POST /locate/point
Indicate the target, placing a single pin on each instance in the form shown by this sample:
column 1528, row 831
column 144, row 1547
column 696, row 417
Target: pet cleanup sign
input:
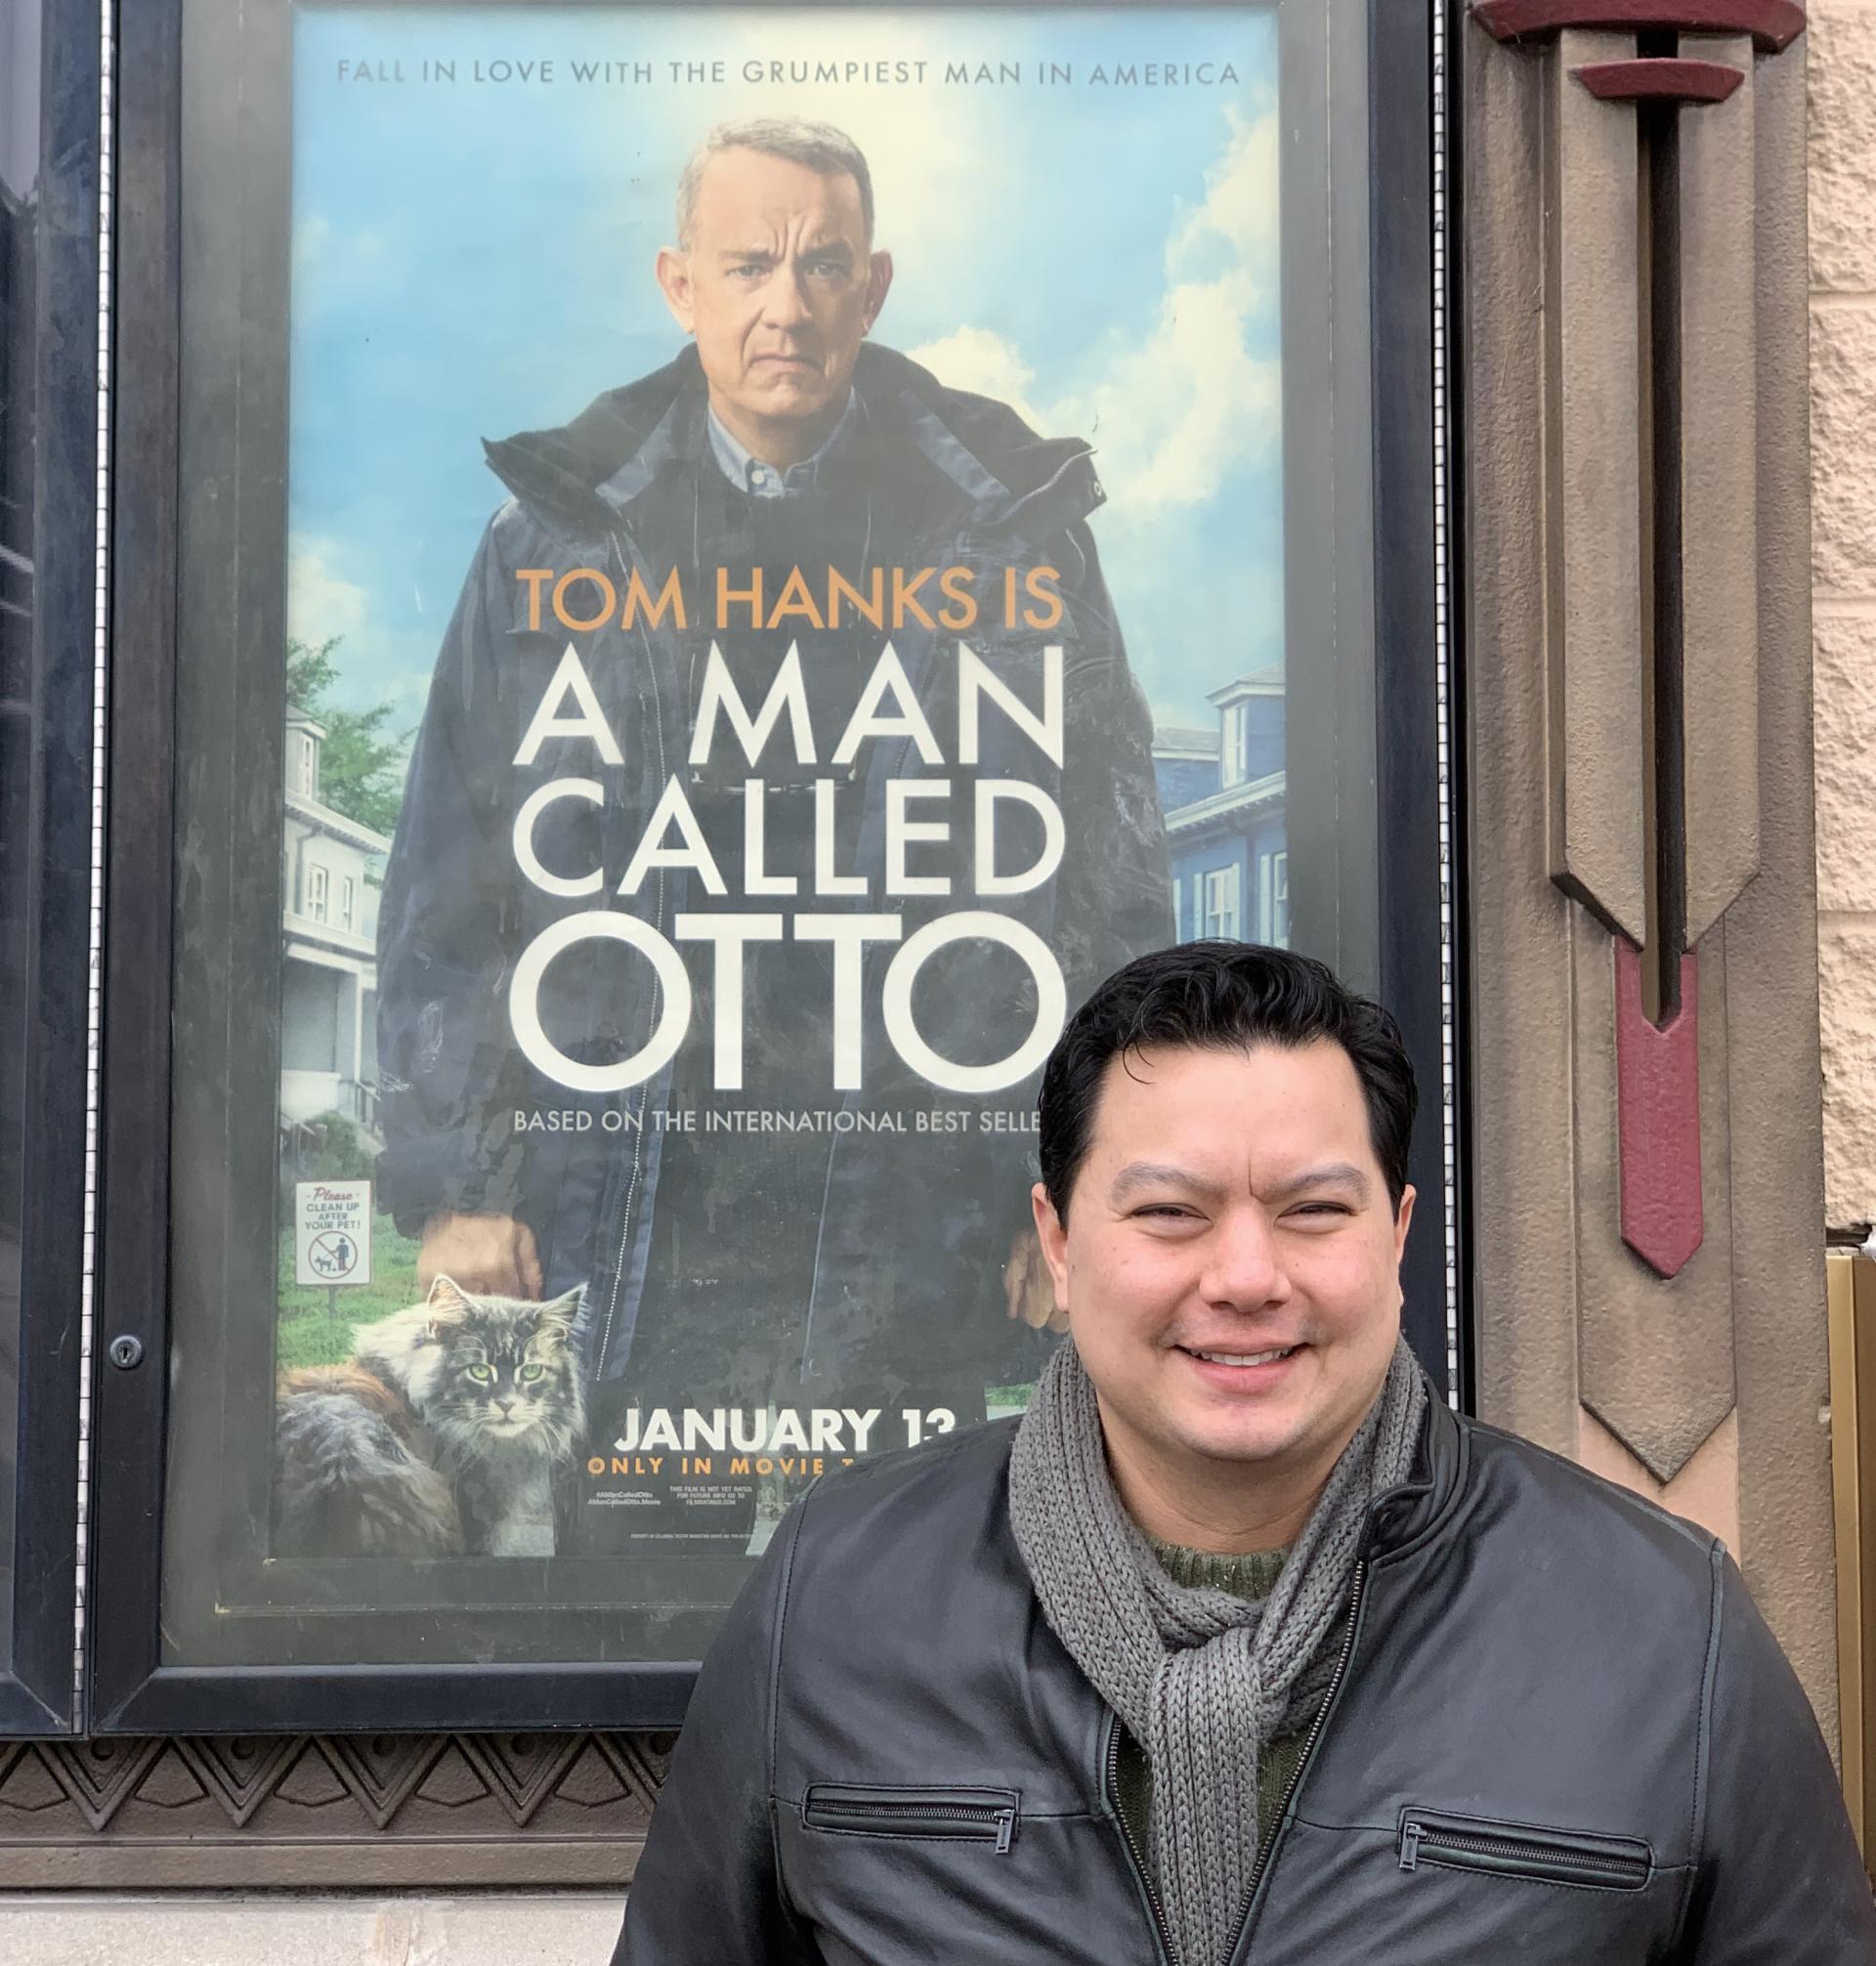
column 331, row 1232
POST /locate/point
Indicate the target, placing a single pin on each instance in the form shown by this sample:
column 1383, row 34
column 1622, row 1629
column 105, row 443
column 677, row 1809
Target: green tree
column 310, row 672
column 361, row 767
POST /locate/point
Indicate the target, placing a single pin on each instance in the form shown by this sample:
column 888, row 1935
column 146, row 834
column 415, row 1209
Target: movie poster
column 785, row 580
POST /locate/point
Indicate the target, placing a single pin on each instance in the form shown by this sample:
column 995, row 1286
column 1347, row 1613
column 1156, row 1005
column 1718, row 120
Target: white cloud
column 986, row 362
column 372, row 663
column 1240, row 211
column 1173, row 415
column 1173, row 412
column 320, row 602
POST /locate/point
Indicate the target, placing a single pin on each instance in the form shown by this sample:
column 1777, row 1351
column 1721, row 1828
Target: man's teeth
column 1246, row 1357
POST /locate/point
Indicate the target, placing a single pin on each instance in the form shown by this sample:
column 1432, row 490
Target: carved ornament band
column 1771, row 23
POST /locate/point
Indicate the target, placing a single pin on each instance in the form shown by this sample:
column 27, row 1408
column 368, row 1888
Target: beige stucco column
column 1843, row 327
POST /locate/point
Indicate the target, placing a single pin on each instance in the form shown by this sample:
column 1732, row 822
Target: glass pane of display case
column 734, row 562
column 19, row 208
column 48, row 493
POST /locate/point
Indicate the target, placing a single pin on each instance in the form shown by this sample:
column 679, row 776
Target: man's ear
column 878, row 283
column 1403, row 1221
column 1051, row 1232
column 674, row 277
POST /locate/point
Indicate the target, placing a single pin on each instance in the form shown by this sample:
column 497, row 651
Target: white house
column 329, row 1017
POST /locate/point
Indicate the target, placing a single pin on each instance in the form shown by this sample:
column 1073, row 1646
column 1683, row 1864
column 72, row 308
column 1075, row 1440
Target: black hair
column 1216, row 997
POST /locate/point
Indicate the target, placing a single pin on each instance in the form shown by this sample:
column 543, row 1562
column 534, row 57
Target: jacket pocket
column 949, row 1815
column 1518, row 1850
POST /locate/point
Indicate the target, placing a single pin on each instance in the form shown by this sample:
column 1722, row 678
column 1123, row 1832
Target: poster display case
column 689, row 579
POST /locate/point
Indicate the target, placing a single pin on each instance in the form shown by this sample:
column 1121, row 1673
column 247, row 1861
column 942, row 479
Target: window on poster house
column 1222, row 888
column 741, row 680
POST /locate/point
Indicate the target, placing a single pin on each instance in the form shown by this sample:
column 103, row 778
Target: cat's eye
column 530, row 1372
column 482, row 1375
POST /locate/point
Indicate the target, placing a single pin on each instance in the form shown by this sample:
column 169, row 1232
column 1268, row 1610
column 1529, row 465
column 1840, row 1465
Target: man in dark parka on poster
column 727, row 1267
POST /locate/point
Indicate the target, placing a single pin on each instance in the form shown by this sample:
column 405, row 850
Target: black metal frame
column 132, row 1689
column 1407, row 710
column 37, row 1686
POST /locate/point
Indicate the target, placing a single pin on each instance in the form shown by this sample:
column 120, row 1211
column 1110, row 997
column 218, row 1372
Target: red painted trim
column 1657, row 1076
column 1771, row 23
column 1659, row 79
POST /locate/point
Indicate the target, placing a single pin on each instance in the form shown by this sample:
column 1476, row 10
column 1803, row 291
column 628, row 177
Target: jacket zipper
column 1270, row 1849
column 1549, row 1857
column 956, row 1817
column 1316, row 1726
column 1155, row 1903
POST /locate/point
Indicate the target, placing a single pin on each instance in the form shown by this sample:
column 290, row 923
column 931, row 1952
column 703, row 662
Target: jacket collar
column 748, row 473
column 1405, row 1514
column 585, row 476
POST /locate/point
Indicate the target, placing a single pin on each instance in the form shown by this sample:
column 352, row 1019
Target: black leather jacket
column 1561, row 1736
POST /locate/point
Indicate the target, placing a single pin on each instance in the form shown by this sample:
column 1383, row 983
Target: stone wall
column 559, row 1929
column 1840, row 49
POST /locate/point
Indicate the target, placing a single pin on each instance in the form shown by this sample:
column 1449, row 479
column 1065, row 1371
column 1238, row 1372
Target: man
column 1241, row 1646
column 727, row 1267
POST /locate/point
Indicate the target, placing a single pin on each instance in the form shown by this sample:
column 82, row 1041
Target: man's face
column 1231, row 1264
column 779, row 288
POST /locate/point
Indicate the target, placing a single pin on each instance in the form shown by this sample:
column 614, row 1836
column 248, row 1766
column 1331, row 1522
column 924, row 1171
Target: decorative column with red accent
column 1658, row 888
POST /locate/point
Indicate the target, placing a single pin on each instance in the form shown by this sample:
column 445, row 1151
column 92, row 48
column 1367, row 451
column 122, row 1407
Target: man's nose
column 784, row 303
column 1244, row 1266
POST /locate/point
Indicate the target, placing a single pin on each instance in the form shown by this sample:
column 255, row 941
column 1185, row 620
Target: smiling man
column 731, row 1267
column 1241, row 1646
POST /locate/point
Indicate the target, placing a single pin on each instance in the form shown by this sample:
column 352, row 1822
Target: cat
column 496, row 1382
column 353, row 1475
column 476, row 1398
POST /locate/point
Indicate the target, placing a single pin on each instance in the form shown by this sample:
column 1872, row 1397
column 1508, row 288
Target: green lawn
column 1005, row 1399
column 308, row 1335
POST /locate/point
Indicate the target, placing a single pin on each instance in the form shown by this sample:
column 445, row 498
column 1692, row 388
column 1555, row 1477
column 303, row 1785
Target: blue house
column 1221, row 790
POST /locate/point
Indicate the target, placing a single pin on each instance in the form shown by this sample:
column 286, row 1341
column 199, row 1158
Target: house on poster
column 1222, row 789
column 329, row 926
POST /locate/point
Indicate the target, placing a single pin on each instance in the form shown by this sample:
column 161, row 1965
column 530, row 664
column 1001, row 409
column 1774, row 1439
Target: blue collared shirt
column 763, row 481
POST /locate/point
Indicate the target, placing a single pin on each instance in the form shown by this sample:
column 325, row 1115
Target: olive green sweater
column 1248, row 1577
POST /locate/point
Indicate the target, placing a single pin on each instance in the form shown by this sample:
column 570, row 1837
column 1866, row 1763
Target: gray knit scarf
column 1203, row 1680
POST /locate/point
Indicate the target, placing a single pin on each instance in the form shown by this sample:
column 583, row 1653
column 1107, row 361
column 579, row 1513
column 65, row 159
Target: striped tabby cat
column 440, row 1436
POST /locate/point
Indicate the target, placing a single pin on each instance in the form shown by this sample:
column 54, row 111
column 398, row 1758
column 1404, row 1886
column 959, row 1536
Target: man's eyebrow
column 1138, row 1175
column 829, row 248
column 1330, row 1175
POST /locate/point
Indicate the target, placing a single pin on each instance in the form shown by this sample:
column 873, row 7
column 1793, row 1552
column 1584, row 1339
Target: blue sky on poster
column 473, row 257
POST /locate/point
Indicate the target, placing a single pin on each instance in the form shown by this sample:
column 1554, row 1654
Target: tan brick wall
column 1841, row 50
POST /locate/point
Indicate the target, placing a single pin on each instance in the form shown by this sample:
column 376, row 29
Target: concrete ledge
column 499, row 1928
